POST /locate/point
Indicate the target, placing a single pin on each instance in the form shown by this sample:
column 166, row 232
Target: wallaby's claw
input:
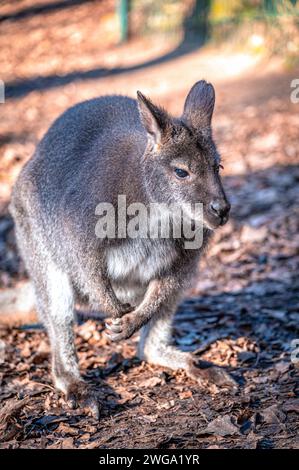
column 202, row 371
column 84, row 396
column 114, row 326
column 120, row 328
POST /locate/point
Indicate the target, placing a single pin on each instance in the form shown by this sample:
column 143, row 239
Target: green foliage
column 222, row 10
column 162, row 16
column 258, row 26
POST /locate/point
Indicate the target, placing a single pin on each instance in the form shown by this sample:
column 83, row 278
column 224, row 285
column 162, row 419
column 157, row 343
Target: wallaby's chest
column 131, row 266
column 140, row 260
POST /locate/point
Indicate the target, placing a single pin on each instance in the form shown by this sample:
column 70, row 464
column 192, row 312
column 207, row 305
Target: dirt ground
column 243, row 311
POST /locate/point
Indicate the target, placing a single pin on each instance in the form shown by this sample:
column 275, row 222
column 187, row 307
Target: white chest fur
column 132, row 265
column 140, row 260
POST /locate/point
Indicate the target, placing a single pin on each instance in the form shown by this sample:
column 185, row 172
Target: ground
column 242, row 312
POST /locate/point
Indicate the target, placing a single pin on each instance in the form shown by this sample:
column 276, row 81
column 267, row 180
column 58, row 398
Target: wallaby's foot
column 121, row 328
column 82, row 395
column 200, row 371
column 203, row 371
column 155, row 347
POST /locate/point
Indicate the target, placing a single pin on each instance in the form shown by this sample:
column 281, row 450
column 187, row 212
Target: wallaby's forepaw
column 121, row 328
column 202, row 372
column 124, row 308
column 82, row 395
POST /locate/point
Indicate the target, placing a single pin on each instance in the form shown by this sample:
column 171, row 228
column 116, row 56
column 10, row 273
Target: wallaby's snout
column 216, row 205
column 219, row 208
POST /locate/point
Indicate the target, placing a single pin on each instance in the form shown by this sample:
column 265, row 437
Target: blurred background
column 55, row 53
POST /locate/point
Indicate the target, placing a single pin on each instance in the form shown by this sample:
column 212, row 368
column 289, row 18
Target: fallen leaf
column 273, row 415
column 65, row 429
column 148, row 418
column 68, row 443
column 167, row 405
column 222, row 426
column 291, row 405
column 151, row 382
column 184, row 395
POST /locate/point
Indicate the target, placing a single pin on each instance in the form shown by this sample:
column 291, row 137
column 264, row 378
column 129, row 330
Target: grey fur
column 93, row 152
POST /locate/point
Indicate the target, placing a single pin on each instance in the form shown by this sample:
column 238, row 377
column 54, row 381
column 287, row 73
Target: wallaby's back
column 87, row 156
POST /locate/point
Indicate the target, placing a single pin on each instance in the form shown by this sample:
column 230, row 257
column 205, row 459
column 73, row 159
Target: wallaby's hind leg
column 155, row 347
column 58, row 316
column 60, row 319
column 55, row 302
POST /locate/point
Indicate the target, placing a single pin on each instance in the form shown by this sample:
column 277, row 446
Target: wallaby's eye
column 180, row 173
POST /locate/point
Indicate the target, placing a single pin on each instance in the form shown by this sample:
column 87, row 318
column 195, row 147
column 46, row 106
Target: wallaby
column 97, row 150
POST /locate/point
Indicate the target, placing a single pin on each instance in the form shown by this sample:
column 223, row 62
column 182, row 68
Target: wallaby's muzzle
column 219, row 209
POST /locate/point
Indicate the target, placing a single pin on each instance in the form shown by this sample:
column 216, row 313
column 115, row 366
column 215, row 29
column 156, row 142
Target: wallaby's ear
column 155, row 119
column 199, row 105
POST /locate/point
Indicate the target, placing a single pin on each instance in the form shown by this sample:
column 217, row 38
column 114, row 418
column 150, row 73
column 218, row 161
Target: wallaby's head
column 181, row 163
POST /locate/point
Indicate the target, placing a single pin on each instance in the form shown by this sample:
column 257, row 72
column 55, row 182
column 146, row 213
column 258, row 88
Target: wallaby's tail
column 17, row 305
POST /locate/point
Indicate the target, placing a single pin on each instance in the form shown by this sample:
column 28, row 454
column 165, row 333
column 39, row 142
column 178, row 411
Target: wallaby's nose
column 220, row 208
